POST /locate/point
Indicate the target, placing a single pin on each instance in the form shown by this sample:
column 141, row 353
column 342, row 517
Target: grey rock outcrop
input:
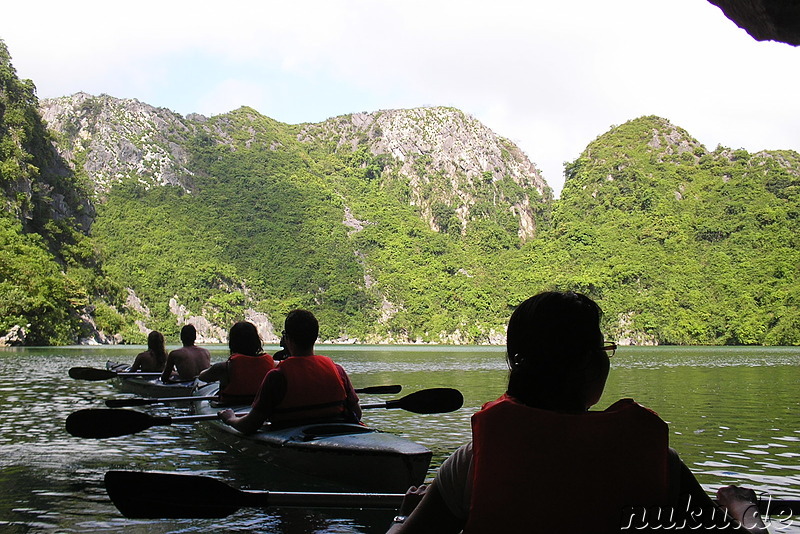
column 117, row 138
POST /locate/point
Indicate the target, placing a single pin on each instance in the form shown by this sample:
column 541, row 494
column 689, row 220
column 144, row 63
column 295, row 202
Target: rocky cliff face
column 114, row 138
column 447, row 157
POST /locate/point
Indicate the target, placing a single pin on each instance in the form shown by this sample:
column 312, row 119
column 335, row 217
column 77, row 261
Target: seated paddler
column 241, row 375
column 541, row 462
column 188, row 361
column 303, row 388
column 152, row 360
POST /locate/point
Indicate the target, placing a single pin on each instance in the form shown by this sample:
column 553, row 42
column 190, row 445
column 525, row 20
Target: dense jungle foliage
column 678, row 244
column 49, row 271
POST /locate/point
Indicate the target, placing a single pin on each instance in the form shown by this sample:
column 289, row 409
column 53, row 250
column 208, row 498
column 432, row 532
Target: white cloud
column 548, row 75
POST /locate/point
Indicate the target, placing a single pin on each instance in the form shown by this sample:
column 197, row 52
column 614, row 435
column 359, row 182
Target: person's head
column 555, row 352
column 244, row 339
column 301, row 329
column 155, row 344
column 188, row 335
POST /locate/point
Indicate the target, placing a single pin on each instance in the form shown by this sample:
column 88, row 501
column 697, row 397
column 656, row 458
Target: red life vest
column 314, row 389
column 245, row 374
column 542, row 471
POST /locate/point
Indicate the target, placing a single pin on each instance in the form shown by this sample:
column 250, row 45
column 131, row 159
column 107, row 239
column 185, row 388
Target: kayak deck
column 335, row 455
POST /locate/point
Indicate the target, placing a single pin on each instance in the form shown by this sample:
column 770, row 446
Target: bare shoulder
column 177, row 353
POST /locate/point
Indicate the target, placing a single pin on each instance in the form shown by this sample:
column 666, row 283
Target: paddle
column 123, row 403
column 143, row 495
column 435, row 400
column 101, row 423
column 173, row 496
column 90, row 373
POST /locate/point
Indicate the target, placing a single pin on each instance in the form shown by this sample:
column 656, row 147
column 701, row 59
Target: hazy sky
column 551, row 76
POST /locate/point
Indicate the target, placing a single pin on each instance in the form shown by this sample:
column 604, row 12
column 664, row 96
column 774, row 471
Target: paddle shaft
column 179, row 419
column 145, row 421
column 122, row 403
column 264, row 499
column 90, row 373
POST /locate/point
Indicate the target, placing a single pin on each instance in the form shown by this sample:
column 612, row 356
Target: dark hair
column 554, row 350
column 188, row 334
column 244, row 339
column 302, row 328
column 155, row 344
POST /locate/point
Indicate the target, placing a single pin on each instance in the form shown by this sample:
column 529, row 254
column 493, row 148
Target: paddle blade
column 171, row 496
column 435, row 400
column 126, row 403
column 381, row 389
column 97, row 423
column 89, row 373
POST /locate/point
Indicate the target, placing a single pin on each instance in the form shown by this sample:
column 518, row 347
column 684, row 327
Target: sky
column 550, row 76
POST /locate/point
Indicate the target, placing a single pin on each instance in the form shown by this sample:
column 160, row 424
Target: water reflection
column 734, row 416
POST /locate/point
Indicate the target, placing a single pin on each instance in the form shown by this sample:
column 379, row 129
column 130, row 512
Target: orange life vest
column 542, row 471
column 314, row 389
column 245, row 374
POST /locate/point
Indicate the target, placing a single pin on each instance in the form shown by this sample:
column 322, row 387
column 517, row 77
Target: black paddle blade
column 380, row 389
column 89, row 373
column 97, row 423
column 171, row 496
column 127, row 403
column 435, row 400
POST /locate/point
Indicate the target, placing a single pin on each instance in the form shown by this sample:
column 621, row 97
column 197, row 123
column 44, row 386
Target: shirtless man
column 188, row 360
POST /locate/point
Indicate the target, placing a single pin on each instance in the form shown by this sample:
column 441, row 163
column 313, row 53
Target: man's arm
column 246, row 424
column 214, row 373
column 169, row 365
column 351, row 401
column 272, row 391
column 430, row 515
column 138, row 362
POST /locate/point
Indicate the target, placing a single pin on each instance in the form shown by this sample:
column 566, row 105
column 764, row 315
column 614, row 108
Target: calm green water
column 734, row 415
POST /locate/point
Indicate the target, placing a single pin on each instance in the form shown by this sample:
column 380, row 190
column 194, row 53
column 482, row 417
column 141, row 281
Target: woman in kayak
column 240, row 376
column 539, row 461
column 304, row 387
column 153, row 359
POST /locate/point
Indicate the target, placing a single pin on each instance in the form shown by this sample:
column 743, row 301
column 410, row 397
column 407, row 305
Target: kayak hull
column 335, row 456
column 148, row 386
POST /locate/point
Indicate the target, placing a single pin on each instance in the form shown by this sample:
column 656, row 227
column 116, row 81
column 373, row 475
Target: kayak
column 147, row 386
column 332, row 455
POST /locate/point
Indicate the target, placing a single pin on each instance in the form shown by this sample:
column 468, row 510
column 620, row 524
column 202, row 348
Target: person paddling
column 189, row 360
column 540, row 461
column 153, row 359
column 240, row 376
column 304, row 387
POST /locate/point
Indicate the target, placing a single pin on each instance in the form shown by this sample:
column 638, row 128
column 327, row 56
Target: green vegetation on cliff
column 679, row 244
column 49, row 275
